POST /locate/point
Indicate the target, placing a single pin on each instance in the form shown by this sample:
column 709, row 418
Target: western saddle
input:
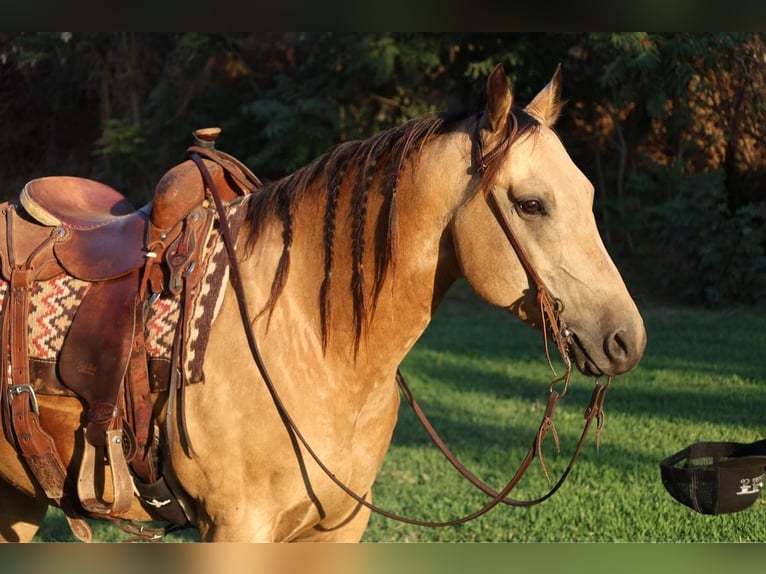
column 89, row 231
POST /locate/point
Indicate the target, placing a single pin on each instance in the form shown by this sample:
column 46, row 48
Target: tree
column 661, row 123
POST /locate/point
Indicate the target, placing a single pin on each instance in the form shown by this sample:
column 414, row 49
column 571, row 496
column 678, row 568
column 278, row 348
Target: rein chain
column 550, row 312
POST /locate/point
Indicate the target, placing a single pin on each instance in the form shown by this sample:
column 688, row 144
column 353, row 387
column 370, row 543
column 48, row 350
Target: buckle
column 16, row 390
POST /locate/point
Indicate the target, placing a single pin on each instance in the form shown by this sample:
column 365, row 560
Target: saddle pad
column 208, row 298
column 53, row 305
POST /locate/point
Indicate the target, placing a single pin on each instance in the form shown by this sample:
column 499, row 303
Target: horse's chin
column 582, row 360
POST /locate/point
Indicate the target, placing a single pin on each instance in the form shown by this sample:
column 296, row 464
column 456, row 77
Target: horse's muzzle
column 617, row 353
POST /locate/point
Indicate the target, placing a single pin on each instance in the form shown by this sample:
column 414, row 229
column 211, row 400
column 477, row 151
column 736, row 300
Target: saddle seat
column 73, row 202
column 101, row 235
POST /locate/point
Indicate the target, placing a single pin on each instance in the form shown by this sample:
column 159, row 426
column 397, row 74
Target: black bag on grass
column 716, row 477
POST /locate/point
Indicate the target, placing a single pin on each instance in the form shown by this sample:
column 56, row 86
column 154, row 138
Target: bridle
column 552, row 325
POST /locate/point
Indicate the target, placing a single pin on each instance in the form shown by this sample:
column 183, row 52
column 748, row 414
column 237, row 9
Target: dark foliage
column 668, row 127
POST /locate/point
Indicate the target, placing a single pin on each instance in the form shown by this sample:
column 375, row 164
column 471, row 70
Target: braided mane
column 352, row 167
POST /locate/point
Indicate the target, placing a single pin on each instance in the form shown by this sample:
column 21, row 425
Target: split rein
column 552, row 325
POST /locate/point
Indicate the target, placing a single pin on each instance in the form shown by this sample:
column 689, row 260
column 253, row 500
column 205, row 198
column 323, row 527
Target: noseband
column 552, row 325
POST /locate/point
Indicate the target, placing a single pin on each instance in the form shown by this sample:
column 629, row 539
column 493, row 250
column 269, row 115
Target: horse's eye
column 530, row 207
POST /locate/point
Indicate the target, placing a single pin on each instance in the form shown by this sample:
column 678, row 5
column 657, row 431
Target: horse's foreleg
column 21, row 515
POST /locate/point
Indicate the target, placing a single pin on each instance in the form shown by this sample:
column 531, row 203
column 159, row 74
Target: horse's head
column 530, row 185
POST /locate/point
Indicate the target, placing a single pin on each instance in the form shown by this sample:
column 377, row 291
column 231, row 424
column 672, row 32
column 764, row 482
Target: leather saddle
column 89, row 231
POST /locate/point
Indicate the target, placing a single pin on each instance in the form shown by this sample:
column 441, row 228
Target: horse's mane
column 352, row 167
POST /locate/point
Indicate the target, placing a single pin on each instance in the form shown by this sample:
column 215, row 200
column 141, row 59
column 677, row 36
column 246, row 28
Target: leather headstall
column 552, row 324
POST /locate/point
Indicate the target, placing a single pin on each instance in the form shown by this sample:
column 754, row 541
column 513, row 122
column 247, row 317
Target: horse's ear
column 499, row 100
column 546, row 106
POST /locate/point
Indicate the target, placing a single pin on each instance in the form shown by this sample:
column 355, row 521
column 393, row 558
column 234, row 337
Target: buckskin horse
column 277, row 400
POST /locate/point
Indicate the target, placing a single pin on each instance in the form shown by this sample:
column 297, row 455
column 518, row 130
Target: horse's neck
column 422, row 269
column 424, row 265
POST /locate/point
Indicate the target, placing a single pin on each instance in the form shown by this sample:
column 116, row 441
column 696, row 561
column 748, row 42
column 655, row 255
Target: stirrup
column 121, row 480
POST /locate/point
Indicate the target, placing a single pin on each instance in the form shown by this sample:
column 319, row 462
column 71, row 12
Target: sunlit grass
column 481, row 377
column 484, row 383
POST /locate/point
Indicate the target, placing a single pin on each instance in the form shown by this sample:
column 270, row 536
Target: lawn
column 481, row 377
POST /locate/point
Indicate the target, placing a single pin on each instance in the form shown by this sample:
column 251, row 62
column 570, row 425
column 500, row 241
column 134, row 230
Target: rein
column 550, row 311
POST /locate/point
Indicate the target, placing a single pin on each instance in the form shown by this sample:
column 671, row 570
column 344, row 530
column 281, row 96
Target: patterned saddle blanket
column 54, row 303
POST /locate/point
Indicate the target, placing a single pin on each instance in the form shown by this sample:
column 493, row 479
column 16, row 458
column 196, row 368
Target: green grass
column 481, row 377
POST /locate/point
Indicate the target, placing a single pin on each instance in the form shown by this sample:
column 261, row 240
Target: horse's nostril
column 623, row 349
column 618, row 346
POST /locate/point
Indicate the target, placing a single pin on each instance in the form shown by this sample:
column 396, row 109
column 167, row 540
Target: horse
column 343, row 264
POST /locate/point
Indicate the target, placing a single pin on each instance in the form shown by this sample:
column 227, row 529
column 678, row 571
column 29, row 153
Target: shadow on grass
column 687, row 351
column 727, row 405
column 706, row 366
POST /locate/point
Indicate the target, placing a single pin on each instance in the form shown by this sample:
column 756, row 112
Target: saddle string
column 548, row 308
